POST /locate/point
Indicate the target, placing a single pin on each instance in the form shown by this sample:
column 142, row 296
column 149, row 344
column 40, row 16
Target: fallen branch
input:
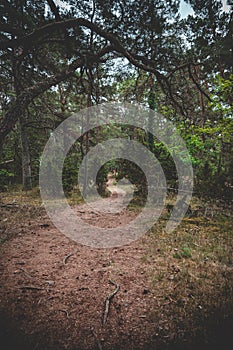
column 30, row 288
column 8, row 205
column 108, row 299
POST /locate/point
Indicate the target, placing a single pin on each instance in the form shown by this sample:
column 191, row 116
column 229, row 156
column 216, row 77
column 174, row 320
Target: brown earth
column 54, row 291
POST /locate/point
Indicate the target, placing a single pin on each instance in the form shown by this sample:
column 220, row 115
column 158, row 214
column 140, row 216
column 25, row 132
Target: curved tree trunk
column 26, row 161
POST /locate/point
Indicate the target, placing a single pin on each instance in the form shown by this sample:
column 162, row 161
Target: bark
column 26, row 161
column 87, row 145
column 54, row 9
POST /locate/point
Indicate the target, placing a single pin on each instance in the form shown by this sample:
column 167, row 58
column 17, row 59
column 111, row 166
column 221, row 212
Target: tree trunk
column 153, row 107
column 26, row 162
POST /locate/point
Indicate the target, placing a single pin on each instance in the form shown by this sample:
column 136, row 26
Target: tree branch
column 54, row 10
column 197, row 84
column 45, row 31
column 17, row 108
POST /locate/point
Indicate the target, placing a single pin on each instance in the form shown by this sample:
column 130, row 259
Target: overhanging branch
column 17, row 108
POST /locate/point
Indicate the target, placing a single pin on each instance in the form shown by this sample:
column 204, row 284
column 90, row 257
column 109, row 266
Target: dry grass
column 195, row 271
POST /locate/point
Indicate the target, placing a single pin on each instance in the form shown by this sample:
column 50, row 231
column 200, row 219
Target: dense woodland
column 58, row 60
column 162, row 291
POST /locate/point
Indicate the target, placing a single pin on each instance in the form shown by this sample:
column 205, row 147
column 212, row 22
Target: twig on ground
column 53, row 297
column 108, row 299
column 30, row 288
column 67, row 257
column 96, row 338
column 25, row 272
column 44, row 225
column 8, row 205
column 65, row 311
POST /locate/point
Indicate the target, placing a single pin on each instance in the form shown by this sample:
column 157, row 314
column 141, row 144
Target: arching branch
column 17, row 107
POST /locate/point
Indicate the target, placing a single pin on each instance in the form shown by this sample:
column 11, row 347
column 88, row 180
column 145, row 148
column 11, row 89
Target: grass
column 184, row 252
column 191, row 290
column 17, row 196
column 193, row 265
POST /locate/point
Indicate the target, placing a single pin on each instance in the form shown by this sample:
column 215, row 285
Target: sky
column 186, row 9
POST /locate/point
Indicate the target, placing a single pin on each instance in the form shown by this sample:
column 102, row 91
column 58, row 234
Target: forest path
column 54, row 290
column 110, row 211
column 115, row 190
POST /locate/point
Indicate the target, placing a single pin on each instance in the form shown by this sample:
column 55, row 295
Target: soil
column 55, row 292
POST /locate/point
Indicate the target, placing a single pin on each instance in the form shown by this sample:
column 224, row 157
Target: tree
column 140, row 32
column 56, row 51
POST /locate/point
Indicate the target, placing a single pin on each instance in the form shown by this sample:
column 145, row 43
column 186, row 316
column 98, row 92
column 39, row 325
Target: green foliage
column 5, row 179
column 148, row 31
column 70, row 172
column 222, row 92
column 152, row 100
column 184, row 252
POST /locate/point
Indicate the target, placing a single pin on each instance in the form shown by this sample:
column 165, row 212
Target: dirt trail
column 102, row 211
column 115, row 190
column 53, row 290
column 54, row 287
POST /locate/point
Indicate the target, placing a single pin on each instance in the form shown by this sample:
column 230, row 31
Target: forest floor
column 171, row 291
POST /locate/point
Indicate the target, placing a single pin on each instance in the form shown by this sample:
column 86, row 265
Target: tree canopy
column 58, row 59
